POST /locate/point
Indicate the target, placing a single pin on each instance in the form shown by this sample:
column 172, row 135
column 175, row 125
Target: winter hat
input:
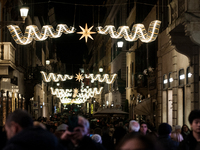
column 62, row 127
column 96, row 138
column 164, row 129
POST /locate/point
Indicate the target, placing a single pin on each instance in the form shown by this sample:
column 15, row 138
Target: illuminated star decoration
column 79, row 77
column 86, row 33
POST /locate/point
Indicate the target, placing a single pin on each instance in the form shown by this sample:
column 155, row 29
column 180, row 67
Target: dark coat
column 34, row 138
column 107, row 142
column 119, row 133
column 189, row 143
column 167, row 143
column 85, row 144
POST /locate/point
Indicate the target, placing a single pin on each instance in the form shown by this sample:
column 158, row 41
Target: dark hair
column 194, row 114
column 183, row 126
column 147, row 142
column 144, row 123
column 164, row 129
column 21, row 117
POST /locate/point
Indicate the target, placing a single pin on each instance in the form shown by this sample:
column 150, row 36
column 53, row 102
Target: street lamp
column 47, row 62
column 24, row 13
column 120, row 44
column 101, row 69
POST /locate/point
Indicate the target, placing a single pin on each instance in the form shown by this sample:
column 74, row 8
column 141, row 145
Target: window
column 165, row 81
column 181, row 77
column 189, row 76
column 170, row 80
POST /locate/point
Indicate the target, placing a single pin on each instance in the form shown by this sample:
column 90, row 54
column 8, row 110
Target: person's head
column 84, row 123
column 134, row 126
column 96, row 138
column 164, row 129
column 194, row 119
column 17, row 121
column 177, row 128
column 137, row 141
column 60, row 130
column 184, row 128
column 143, row 128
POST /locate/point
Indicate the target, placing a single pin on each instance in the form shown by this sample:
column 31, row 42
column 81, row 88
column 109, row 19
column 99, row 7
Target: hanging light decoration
column 32, row 32
column 138, row 31
column 104, row 79
column 81, row 97
column 86, row 32
column 54, row 77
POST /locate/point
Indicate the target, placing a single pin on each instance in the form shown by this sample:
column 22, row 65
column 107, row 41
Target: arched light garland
column 138, row 31
column 54, row 77
column 32, row 32
column 104, row 79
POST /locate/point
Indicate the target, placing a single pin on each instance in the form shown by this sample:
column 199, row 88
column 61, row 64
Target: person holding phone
column 76, row 137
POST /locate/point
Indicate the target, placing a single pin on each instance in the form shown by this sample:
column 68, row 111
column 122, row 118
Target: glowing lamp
column 47, row 62
column 24, row 13
column 120, row 44
column 100, row 69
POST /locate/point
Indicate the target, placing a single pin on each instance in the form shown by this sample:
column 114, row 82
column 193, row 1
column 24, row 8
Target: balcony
column 7, row 57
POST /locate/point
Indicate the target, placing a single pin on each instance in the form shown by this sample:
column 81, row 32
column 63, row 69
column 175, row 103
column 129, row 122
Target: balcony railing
column 7, row 52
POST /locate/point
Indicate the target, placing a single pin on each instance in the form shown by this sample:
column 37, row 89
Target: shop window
column 181, row 77
column 165, row 81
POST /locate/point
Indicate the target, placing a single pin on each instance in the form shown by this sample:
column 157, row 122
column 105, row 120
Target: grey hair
column 85, row 122
column 134, row 127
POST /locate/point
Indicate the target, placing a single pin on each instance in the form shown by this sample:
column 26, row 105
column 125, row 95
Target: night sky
column 70, row 49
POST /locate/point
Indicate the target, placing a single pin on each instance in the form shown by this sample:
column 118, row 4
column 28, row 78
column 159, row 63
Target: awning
column 143, row 108
column 110, row 111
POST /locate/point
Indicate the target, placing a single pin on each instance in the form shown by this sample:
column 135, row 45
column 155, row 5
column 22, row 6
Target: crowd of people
column 63, row 132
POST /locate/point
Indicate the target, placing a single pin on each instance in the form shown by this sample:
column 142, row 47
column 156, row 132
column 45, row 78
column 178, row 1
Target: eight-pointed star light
column 86, row 32
column 79, row 77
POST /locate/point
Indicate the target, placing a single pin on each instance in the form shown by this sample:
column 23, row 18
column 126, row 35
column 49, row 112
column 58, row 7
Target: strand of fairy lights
column 104, row 79
column 85, row 94
column 138, row 31
column 32, row 32
column 54, row 77
column 97, row 77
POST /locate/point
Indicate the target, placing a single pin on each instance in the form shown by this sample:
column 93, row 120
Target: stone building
column 21, row 84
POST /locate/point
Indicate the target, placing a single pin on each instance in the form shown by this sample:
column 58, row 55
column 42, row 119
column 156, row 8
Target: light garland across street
column 32, row 32
column 54, row 77
column 138, row 31
column 98, row 77
column 81, row 97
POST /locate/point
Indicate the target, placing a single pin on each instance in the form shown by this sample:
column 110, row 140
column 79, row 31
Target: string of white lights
column 104, row 79
column 54, row 77
column 32, row 32
column 85, row 94
column 60, row 91
column 138, row 31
